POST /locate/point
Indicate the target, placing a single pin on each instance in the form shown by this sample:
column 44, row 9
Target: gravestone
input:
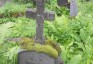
column 27, row 57
column 40, row 15
column 63, row 3
column 72, row 6
column 32, row 57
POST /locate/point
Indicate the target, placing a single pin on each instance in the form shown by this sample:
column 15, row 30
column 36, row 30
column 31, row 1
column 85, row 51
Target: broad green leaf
column 64, row 53
column 83, row 35
column 89, row 50
column 75, row 60
column 80, row 45
column 4, row 31
column 11, row 52
column 69, row 45
column 89, row 41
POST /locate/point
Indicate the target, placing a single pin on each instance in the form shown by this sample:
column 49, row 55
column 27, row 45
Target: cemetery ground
column 74, row 35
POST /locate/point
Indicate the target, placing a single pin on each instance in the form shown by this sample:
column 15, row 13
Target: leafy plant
column 58, row 29
column 78, row 37
column 74, row 34
column 8, row 50
column 4, row 31
column 23, row 28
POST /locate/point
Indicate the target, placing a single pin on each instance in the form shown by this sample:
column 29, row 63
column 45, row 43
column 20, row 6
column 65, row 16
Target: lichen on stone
column 50, row 47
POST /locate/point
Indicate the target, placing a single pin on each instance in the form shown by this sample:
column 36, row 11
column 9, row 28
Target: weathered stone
column 2, row 2
column 31, row 13
column 28, row 57
column 34, row 2
column 62, row 2
column 40, row 21
column 40, row 16
column 33, row 57
column 73, row 8
column 58, row 61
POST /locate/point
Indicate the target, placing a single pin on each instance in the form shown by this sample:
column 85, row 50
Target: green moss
column 26, row 41
column 50, row 48
column 54, row 45
column 68, row 1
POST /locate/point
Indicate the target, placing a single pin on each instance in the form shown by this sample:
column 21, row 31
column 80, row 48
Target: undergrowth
column 75, row 35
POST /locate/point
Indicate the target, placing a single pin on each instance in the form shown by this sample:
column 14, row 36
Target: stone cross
column 40, row 15
column 33, row 57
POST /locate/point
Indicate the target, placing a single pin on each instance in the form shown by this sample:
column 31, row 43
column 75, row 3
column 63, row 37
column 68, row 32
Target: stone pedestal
column 33, row 57
column 28, row 57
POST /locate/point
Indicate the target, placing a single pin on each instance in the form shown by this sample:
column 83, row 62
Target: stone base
column 32, row 57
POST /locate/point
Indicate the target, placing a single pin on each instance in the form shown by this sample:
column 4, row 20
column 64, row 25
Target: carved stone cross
column 40, row 15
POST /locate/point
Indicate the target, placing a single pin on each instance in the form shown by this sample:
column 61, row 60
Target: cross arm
column 31, row 13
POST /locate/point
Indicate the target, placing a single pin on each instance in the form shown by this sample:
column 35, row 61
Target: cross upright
column 40, row 15
column 34, row 2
